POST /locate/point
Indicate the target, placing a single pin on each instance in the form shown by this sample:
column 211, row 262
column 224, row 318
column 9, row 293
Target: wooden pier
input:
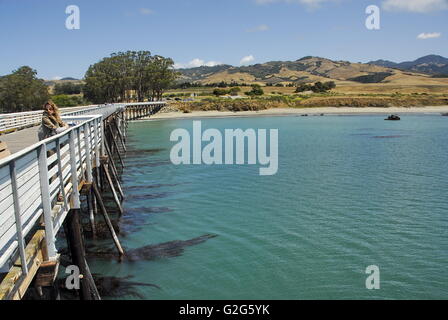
column 44, row 185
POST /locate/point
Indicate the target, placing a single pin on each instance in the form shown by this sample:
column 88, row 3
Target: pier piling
column 77, row 251
column 107, row 219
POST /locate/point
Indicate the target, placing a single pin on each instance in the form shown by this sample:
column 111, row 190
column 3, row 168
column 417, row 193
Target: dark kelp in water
column 153, row 252
column 124, row 228
column 133, row 220
column 110, row 204
column 133, row 153
column 148, row 196
column 112, row 287
column 146, row 210
column 129, row 225
column 141, row 165
column 108, row 287
column 165, row 250
column 102, row 231
column 389, row 137
column 154, row 186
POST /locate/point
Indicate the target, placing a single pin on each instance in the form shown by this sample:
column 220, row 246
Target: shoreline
column 298, row 112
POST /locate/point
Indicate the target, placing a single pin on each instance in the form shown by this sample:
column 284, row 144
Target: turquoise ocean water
column 350, row 192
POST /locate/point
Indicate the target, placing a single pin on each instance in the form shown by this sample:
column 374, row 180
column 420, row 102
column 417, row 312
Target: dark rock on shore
column 393, row 117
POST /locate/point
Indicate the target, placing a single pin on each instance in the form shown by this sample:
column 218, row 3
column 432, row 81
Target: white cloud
column 313, row 3
column 56, row 78
column 308, row 3
column 212, row 63
column 424, row 36
column 259, row 28
column 146, row 11
column 196, row 63
column 419, row 6
column 247, row 59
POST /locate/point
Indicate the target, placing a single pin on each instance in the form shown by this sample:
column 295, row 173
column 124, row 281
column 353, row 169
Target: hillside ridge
column 312, row 69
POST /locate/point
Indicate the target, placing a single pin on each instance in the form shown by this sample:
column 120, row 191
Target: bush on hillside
column 63, row 100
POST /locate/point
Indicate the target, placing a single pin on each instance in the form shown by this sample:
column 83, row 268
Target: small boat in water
column 393, row 117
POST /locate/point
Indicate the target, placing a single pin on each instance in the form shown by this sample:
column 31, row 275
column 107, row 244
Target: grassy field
column 348, row 87
column 345, row 95
column 400, row 92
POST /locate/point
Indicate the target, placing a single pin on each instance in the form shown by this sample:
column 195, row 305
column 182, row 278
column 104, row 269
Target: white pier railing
column 13, row 121
column 16, row 121
column 33, row 180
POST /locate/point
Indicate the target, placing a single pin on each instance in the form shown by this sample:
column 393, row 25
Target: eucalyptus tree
column 118, row 77
column 161, row 75
column 67, row 88
column 98, row 86
column 22, row 91
column 141, row 77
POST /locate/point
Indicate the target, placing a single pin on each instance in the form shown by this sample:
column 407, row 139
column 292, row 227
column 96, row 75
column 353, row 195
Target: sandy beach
column 299, row 112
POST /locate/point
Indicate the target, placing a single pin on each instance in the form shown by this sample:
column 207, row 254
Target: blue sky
column 195, row 32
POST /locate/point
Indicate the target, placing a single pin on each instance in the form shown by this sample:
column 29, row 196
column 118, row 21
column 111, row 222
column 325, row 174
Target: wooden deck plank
column 14, row 285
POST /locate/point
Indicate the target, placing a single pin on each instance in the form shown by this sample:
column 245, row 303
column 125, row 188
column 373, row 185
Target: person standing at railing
column 52, row 123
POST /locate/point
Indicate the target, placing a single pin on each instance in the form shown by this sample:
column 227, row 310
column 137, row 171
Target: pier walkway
column 20, row 140
column 19, row 130
column 41, row 182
